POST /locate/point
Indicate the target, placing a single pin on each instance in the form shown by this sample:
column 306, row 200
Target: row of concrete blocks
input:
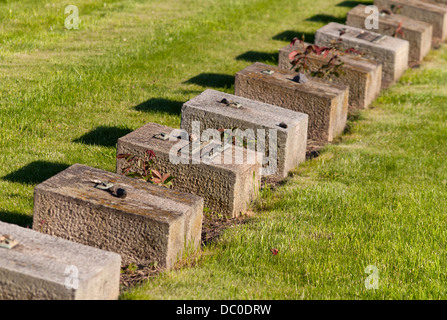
column 155, row 224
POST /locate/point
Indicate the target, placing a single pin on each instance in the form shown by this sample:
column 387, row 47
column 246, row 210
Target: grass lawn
column 376, row 197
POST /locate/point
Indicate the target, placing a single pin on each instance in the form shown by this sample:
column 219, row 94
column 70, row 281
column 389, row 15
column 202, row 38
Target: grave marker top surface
column 146, row 199
column 43, row 260
column 262, row 114
column 313, row 85
column 427, row 11
column 368, row 37
column 144, row 138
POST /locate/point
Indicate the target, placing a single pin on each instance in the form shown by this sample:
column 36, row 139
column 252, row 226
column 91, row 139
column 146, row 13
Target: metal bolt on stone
column 107, row 186
column 269, row 72
column 300, row 78
column 7, row 242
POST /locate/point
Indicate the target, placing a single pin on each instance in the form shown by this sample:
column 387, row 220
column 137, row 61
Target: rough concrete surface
column 227, row 189
column 430, row 12
column 208, row 109
column 417, row 33
column 363, row 76
column 42, row 267
column 326, row 103
column 151, row 224
column 391, row 52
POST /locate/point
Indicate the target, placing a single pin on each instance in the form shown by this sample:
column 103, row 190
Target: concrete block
column 151, row 224
column 291, row 139
column 362, row 76
column 417, row 33
column 430, row 12
column 391, row 52
column 227, row 184
column 42, row 267
column 326, row 103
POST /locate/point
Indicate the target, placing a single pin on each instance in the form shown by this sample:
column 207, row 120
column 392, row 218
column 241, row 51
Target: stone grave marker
column 228, row 180
column 417, row 33
column 363, row 76
column 42, row 267
column 211, row 111
column 143, row 222
column 391, row 52
column 430, row 12
column 326, row 103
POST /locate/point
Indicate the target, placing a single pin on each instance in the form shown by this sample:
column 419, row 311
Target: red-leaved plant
column 143, row 168
column 301, row 63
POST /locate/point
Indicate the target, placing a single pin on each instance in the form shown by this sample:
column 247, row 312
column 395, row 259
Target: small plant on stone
column 396, row 9
column 301, row 63
column 143, row 168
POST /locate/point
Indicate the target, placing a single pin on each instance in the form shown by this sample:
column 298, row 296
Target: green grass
column 376, row 197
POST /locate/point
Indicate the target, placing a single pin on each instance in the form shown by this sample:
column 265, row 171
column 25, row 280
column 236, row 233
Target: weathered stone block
column 391, row 52
column 227, row 183
column 417, row 33
column 326, row 103
column 41, row 267
column 430, row 12
column 289, row 126
column 363, row 76
column 150, row 224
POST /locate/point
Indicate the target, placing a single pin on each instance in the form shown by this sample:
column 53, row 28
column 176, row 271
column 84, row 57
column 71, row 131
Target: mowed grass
column 376, row 197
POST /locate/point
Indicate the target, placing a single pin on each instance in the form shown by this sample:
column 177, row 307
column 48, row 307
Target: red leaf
column 293, row 54
column 165, row 176
column 320, row 50
column 150, row 153
column 274, row 251
column 157, row 173
column 155, row 180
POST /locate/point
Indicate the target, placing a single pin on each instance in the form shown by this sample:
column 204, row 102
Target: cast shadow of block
column 326, row 18
column 103, row 136
column 160, row 105
column 36, row 172
column 17, row 218
column 213, row 80
column 352, row 4
column 288, row 35
column 257, row 56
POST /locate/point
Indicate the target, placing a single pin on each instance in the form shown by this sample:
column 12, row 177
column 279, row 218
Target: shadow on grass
column 103, row 136
column 326, row 18
column 160, row 105
column 213, row 80
column 36, row 172
column 353, row 117
column 288, row 35
column 17, row 218
column 352, row 4
column 257, row 56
